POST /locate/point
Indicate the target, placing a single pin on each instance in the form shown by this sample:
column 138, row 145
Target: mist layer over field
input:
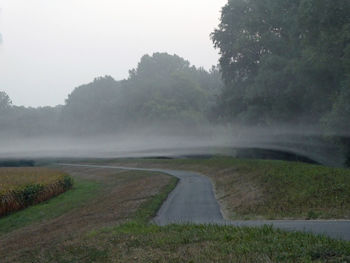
column 204, row 141
column 281, row 84
column 165, row 108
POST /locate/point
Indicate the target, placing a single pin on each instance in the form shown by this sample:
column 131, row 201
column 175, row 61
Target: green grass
column 293, row 189
column 285, row 189
column 82, row 191
column 136, row 242
column 210, row 243
column 149, row 209
column 140, row 241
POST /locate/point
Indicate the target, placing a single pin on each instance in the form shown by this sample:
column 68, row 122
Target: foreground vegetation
column 99, row 198
column 205, row 243
column 269, row 189
column 81, row 192
column 139, row 241
column 22, row 187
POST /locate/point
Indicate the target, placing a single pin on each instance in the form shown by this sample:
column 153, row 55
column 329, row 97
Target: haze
column 51, row 47
column 143, row 78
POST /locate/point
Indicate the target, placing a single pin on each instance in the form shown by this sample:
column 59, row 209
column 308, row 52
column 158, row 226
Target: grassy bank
column 149, row 208
column 134, row 239
column 100, row 199
column 139, row 241
column 190, row 243
column 81, row 192
column 269, row 189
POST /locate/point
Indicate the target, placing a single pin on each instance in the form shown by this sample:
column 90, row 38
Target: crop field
column 22, row 187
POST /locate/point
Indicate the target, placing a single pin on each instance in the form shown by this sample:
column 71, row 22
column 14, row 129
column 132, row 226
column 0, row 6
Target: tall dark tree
column 165, row 87
column 282, row 60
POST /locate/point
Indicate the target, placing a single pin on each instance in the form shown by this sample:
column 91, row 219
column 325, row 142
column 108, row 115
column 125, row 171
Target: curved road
column 193, row 201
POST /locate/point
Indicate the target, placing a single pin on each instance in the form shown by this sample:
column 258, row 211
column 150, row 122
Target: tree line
column 163, row 89
column 281, row 62
column 287, row 61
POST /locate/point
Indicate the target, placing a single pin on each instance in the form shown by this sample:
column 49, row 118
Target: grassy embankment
column 140, row 241
column 249, row 189
column 99, row 198
column 26, row 186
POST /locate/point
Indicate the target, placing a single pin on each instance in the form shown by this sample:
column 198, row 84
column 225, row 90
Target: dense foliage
column 285, row 61
column 162, row 89
column 282, row 63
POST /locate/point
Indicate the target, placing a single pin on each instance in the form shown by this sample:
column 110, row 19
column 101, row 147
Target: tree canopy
column 284, row 61
column 163, row 89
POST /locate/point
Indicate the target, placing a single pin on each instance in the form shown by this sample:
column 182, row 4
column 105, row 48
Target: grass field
column 99, row 198
column 205, row 243
column 113, row 226
column 249, row 189
column 22, row 187
column 139, row 241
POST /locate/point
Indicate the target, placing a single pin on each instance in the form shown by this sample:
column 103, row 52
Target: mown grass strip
column 288, row 189
column 81, row 192
column 141, row 241
column 149, row 209
column 212, row 243
column 269, row 189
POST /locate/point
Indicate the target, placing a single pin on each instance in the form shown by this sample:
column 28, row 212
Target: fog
column 186, row 78
column 157, row 141
column 51, row 47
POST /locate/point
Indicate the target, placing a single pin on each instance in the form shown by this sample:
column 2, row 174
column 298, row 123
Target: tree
column 282, row 60
column 166, row 88
column 93, row 107
column 163, row 89
column 5, row 101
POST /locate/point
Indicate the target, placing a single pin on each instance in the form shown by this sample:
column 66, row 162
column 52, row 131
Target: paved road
column 193, row 201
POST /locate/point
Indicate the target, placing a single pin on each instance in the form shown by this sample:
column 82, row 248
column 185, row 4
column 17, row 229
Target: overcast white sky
column 51, row 46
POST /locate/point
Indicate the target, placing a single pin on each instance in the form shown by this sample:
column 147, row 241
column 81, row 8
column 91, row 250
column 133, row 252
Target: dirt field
column 121, row 194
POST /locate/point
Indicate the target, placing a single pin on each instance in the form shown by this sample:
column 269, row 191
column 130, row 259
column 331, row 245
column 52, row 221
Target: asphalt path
column 193, row 201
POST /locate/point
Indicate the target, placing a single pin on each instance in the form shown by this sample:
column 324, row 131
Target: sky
column 50, row 47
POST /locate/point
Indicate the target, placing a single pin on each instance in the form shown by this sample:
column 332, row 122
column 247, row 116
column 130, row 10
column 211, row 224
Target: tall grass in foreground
column 22, row 187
